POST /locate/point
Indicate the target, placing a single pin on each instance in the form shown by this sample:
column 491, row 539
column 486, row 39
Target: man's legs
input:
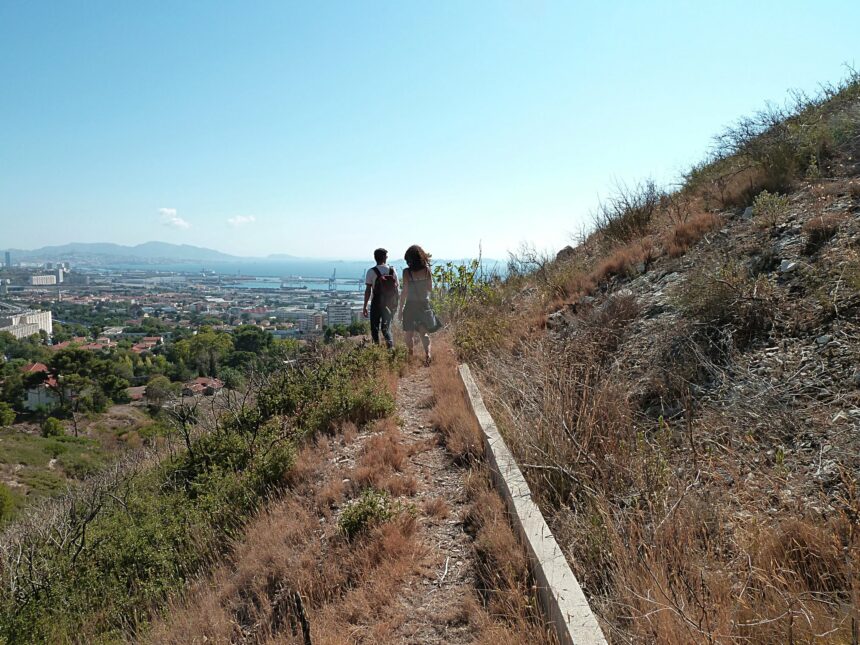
column 385, row 325
column 375, row 319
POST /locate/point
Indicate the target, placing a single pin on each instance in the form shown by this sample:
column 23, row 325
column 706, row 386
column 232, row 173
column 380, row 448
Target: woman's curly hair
column 417, row 258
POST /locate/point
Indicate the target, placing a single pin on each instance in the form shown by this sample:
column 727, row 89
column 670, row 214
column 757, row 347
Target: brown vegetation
column 295, row 575
column 678, row 240
column 675, row 417
column 503, row 571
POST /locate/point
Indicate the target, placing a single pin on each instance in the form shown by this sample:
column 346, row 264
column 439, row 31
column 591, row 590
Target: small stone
column 856, row 377
column 840, row 416
column 787, row 266
column 823, row 339
column 748, row 213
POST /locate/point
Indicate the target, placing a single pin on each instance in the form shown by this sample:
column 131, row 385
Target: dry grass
column 293, row 571
column 820, row 230
column 678, row 240
column 344, row 586
column 666, row 551
column 451, row 416
column 435, row 507
column 381, row 463
column 503, row 571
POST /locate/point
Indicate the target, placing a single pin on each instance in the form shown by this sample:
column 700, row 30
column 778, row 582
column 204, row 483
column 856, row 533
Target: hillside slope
column 683, row 389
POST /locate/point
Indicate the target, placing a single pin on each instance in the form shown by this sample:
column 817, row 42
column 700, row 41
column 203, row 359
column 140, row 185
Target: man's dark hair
column 380, row 255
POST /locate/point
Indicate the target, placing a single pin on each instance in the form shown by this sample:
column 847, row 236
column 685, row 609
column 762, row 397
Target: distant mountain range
column 146, row 252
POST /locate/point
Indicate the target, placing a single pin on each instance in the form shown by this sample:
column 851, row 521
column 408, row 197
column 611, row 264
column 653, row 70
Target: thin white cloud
column 170, row 218
column 241, row 220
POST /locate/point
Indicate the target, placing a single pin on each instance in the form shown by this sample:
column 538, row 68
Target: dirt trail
column 413, row 580
column 444, row 584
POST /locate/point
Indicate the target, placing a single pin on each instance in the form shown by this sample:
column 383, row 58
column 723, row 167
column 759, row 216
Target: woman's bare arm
column 403, row 293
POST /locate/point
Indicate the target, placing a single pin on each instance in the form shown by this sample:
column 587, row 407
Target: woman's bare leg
column 425, row 341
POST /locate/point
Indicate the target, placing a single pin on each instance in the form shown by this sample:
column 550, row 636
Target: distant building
column 41, row 280
column 43, row 395
column 339, row 313
column 26, row 323
column 8, row 260
column 203, row 385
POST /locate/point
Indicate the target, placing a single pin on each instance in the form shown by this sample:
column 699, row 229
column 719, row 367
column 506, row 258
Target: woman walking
column 415, row 313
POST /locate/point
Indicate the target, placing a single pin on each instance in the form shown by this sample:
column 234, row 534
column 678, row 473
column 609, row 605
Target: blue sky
column 325, row 129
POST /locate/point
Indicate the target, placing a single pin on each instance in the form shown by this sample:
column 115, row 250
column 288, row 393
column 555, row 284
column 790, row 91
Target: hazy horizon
column 263, row 128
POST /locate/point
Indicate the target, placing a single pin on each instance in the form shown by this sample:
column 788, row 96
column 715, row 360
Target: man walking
column 381, row 290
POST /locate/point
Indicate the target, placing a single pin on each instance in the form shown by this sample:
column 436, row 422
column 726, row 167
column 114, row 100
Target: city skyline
column 323, row 132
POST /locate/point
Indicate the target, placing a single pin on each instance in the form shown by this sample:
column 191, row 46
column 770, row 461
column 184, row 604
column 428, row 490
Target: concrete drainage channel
column 559, row 593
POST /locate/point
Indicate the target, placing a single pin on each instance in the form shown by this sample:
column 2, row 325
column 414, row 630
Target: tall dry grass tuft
column 661, row 525
column 510, row 612
column 678, row 240
column 451, row 418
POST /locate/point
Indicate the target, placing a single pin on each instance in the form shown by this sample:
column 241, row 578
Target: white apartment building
column 339, row 313
column 26, row 323
column 41, row 280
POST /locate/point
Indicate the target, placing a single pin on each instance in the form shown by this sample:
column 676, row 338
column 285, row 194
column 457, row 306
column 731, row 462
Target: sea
column 348, row 275
column 348, row 269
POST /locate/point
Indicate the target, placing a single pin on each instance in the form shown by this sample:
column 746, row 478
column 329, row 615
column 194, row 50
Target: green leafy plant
column 370, row 509
column 770, row 208
column 52, row 427
column 456, row 285
column 7, row 414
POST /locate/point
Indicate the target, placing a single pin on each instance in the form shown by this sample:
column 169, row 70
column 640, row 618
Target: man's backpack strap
column 378, row 272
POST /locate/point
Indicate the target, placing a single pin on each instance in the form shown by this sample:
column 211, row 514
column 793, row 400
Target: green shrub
column 151, row 431
column 79, row 465
column 371, row 508
column 7, row 503
column 55, row 448
column 153, row 529
column 771, row 208
column 7, row 414
column 42, row 481
column 52, row 427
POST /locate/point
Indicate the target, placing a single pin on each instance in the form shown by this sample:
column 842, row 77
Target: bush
column 770, row 207
column 79, row 465
column 371, row 508
column 7, row 414
column 148, row 529
column 52, row 427
column 729, row 298
column 819, row 231
column 627, row 214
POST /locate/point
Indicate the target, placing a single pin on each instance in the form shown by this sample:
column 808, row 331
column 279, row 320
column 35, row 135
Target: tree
column 250, row 338
column 205, row 351
column 52, row 427
column 79, row 394
column 359, row 328
column 7, row 414
column 232, row 378
column 159, row 389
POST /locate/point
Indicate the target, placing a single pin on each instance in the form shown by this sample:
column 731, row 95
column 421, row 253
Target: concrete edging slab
column 559, row 593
